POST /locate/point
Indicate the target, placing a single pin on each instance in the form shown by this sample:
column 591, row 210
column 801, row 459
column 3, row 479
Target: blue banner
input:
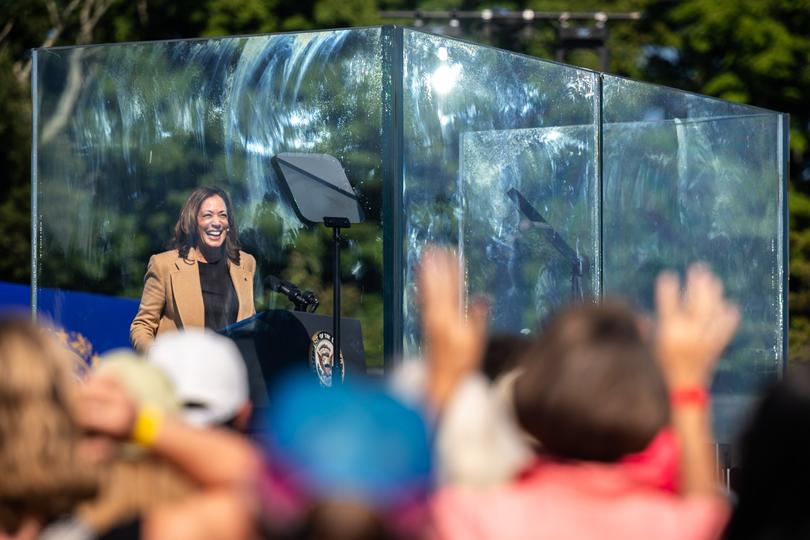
column 100, row 319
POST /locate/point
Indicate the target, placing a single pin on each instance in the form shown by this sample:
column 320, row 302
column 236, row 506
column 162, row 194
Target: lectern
column 276, row 341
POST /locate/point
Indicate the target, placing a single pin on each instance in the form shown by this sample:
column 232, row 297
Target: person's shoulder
column 164, row 258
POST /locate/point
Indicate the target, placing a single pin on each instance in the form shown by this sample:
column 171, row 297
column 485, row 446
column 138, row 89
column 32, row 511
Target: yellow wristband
column 147, row 426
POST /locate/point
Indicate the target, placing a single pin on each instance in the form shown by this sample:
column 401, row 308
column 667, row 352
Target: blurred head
column 208, row 374
column 343, row 520
column 349, row 457
column 207, row 222
column 503, row 353
column 42, row 472
column 773, row 475
column 591, row 389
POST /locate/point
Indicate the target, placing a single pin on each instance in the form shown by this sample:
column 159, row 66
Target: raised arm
column 106, row 408
column 453, row 344
column 222, row 463
column 693, row 329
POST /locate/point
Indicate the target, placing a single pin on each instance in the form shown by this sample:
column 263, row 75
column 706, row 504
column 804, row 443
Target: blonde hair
column 41, row 475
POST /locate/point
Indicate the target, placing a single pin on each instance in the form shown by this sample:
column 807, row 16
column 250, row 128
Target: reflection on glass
column 452, row 91
column 616, row 179
column 528, row 266
column 125, row 132
column 703, row 186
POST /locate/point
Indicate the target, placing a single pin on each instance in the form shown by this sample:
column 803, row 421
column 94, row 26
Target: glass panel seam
column 783, row 154
column 393, row 244
column 34, row 172
column 598, row 111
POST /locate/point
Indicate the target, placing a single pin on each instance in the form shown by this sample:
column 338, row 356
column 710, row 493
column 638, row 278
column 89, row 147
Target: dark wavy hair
column 185, row 230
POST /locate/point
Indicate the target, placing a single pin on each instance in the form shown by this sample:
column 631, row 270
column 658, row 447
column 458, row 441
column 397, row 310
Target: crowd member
column 344, row 463
column 478, row 442
column 50, row 428
column 134, row 481
column 43, row 474
column 225, row 505
column 773, row 481
column 476, row 439
column 502, row 354
column 209, row 376
column 592, row 395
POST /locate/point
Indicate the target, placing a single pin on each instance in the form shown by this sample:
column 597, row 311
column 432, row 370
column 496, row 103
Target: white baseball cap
column 208, row 373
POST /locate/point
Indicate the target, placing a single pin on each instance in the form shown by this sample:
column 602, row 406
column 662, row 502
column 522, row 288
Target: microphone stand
column 579, row 263
column 302, row 300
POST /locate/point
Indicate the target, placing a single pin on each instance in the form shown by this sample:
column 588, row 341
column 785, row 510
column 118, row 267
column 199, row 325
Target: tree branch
column 67, row 100
column 23, row 70
column 6, row 30
column 53, row 13
column 91, row 13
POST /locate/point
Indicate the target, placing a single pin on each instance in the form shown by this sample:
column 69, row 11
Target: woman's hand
column 693, row 327
column 453, row 344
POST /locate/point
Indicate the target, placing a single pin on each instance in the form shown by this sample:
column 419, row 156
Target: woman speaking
column 204, row 280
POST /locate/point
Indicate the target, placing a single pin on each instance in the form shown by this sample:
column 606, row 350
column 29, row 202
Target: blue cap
column 353, row 441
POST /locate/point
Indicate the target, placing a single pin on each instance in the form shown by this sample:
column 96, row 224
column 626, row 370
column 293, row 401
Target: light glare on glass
column 445, row 77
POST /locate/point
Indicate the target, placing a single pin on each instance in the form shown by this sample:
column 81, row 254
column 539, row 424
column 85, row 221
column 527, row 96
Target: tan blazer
column 172, row 295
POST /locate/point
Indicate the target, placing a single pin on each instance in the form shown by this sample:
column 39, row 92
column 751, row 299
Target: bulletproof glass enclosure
column 553, row 182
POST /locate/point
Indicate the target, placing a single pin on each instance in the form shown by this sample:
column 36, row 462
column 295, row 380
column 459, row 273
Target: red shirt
column 571, row 501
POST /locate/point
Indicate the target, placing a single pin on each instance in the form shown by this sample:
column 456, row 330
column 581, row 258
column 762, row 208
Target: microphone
column 301, row 299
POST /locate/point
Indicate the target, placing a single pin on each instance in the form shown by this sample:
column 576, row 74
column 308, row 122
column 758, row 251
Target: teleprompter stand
column 319, row 192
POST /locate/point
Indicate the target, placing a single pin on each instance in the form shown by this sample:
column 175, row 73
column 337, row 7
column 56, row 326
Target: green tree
column 799, row 276
column 755, row 52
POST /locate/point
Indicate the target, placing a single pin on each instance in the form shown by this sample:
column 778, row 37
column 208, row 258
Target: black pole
column 336, row 364
column 336, row 224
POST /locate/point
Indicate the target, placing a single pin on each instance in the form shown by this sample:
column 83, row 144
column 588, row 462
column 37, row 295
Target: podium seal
column 322, row 358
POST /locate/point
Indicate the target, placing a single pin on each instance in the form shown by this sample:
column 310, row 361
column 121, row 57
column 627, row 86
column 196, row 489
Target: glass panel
column 627, row 101
column 500, row 156
column 477, row 122
column 691, row 179
column 528, row 265
column 125, row 132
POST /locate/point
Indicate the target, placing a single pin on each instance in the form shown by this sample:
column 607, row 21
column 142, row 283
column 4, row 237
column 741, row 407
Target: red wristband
column 693, row 395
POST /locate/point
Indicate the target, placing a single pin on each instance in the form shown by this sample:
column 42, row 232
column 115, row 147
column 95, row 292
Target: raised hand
column 104, row 407
column 693, row 327
column 453, row 343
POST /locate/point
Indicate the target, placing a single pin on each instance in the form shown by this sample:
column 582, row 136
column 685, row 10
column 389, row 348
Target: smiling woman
column 204, row 280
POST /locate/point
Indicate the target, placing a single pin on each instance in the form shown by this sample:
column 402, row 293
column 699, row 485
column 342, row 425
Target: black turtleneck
column 219, row 296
